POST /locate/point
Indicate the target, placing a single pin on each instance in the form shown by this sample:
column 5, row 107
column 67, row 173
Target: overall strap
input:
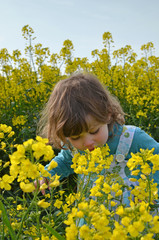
column 125, row 142
column 122, row 151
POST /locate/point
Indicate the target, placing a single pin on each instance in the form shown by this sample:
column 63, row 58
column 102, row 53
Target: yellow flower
column 83, row 205
column 43, row 204
column 20, row 120
column 155, row 223
column 118, row 193
column 19, row 207
column 54, row 181
column 71, row 232
column 11, row 134
column 27, row 187
column 136, row 228
column 115, row 187
column 133, row 232
column 141, row 113
column 58, row 203
column 94, row 161
column 44, row 172
column 27, row 144
column 126, row 221
column 95, row 192
column 14, row 170
column 5, row 182
column 1, row 135
column 135, row 172
column 65, row 208
column 43, row 186
column 133, row 179
column 113, row 204
column 85, row 232
column 6, row 164
column 148, row 236
column 3, row 145
column 54, row 238
column 80, row 214
column 44, row 237
column 145, row 169
column 120, row 210
column 40, row 139
column 47, row 195
column 41, row 149
column 119, row 232
column 5, row 128
column 70, row 199
column 52, row 165
column 106, row 188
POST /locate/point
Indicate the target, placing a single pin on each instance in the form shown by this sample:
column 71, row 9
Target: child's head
column 72, row 101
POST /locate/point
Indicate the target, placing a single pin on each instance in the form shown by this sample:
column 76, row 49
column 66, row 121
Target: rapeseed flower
column 54, row 181
column 52, row 165
column 58, row 203
column 43, row 204
column 19, row 120
column 5, row 182
column 27, row 187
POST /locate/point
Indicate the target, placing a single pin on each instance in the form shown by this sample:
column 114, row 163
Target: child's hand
column 39, row 183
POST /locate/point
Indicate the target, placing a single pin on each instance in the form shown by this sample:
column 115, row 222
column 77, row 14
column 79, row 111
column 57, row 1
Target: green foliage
column 28, row 81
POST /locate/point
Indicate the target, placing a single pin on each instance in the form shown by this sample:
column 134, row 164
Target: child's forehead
column 91, row 122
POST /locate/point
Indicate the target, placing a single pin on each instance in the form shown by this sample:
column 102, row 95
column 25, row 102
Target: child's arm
column 64, row 161
column 143, row 140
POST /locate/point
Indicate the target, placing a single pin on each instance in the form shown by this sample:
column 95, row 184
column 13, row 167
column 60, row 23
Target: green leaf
column 7, row 222
column 53, row 231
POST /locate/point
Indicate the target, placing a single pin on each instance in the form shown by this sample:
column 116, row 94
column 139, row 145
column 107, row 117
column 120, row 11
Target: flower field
column 95, row 211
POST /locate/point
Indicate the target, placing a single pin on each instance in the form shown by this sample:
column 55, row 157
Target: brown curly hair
column 72, row 99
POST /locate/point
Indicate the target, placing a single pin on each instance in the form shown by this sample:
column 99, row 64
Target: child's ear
column 109, row 118
column 120, row 119
column 69, row 145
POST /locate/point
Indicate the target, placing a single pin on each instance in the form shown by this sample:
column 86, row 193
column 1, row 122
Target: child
column 81, row 114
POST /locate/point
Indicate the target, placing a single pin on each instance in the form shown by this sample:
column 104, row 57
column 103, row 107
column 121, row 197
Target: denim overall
column 123, row 148
column 119, row 161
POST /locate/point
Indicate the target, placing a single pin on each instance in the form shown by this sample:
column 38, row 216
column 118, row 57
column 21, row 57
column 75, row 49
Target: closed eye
column 95, row 132
column 75, row 138
column 78, row 137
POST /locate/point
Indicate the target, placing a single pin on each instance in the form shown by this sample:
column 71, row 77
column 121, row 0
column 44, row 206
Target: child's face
column 95, row 137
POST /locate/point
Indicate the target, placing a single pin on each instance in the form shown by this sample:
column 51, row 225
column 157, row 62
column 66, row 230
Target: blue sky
column 132, row 22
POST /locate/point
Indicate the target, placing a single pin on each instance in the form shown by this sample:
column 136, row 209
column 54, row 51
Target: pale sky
column 131, row 22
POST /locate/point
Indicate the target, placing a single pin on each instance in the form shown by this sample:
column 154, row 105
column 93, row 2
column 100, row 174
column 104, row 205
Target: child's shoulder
column 140, row 136
column 144, row 140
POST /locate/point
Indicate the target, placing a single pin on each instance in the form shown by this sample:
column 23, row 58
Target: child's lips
column 91, row 149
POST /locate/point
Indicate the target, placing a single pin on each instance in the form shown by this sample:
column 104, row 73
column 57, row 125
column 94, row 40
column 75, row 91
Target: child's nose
column 88, row 142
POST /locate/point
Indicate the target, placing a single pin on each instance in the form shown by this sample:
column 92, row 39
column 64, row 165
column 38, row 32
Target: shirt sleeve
column 64, row 161
column 143, row 140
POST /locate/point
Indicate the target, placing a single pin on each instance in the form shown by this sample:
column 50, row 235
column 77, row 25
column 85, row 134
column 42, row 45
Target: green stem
column 37, row 220
column 149, row 189
column 25, row 214
column 7, row 222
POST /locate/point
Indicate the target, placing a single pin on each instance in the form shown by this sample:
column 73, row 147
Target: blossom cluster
column 26, row 83
column 95, row 211
column 24, row 164
column 102, row 213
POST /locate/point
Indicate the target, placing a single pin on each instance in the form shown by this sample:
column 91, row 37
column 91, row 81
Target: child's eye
column 75, row 138
column 95, row 131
